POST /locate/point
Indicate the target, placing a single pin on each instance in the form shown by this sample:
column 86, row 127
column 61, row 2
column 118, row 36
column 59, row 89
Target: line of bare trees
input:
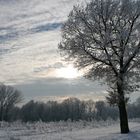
column 70, row 109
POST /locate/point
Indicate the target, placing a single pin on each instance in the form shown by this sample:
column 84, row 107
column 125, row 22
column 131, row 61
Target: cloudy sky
column 29, row 58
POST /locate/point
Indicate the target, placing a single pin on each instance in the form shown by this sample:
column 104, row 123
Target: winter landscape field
column 82, row 130
column 67, row 65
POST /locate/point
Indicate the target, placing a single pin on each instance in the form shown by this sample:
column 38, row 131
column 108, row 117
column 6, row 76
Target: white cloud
column 31, row 52
column 29, row 35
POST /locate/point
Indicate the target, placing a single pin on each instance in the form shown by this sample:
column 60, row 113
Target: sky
column 29, row 57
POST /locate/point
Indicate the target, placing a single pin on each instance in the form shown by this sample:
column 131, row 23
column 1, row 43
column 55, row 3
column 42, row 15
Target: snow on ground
column 82, row 130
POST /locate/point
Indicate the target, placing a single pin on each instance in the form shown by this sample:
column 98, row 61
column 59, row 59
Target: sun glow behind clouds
column 68, row 72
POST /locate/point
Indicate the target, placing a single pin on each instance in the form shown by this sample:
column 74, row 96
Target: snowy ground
column 68, row 131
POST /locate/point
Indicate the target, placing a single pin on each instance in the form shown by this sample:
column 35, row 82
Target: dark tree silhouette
column 103, row 38
column 70, row 109
column 9, row 96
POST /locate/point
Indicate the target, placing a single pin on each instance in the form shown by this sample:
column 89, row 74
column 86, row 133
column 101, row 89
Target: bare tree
column 9, row 96
column 103, row 38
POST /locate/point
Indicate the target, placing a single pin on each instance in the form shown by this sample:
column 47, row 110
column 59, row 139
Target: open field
column 81, row 130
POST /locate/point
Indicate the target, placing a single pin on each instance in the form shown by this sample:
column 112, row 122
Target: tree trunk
column 123, row 118
column 122, row 110
column 1, row 113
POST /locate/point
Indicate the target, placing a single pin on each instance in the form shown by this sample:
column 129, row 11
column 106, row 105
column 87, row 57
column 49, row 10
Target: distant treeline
column 72, row 108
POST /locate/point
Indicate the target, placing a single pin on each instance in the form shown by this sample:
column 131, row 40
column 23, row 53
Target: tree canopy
column 103, row 38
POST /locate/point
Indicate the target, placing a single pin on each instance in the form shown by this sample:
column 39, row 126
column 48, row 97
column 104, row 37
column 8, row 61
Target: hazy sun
column 68, row 72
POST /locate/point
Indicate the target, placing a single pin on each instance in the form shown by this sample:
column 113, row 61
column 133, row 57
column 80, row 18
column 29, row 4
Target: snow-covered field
column 82, row 130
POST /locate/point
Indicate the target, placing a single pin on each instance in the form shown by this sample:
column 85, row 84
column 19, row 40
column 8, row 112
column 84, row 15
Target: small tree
column 103, row 37
column 9, row 96
column 101, row 110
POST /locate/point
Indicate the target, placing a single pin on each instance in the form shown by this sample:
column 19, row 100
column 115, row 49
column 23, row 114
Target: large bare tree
column 9, row 96
column 103, row 38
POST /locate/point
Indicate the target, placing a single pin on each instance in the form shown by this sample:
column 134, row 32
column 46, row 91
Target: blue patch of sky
column 14, row 34
column 47, row 27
